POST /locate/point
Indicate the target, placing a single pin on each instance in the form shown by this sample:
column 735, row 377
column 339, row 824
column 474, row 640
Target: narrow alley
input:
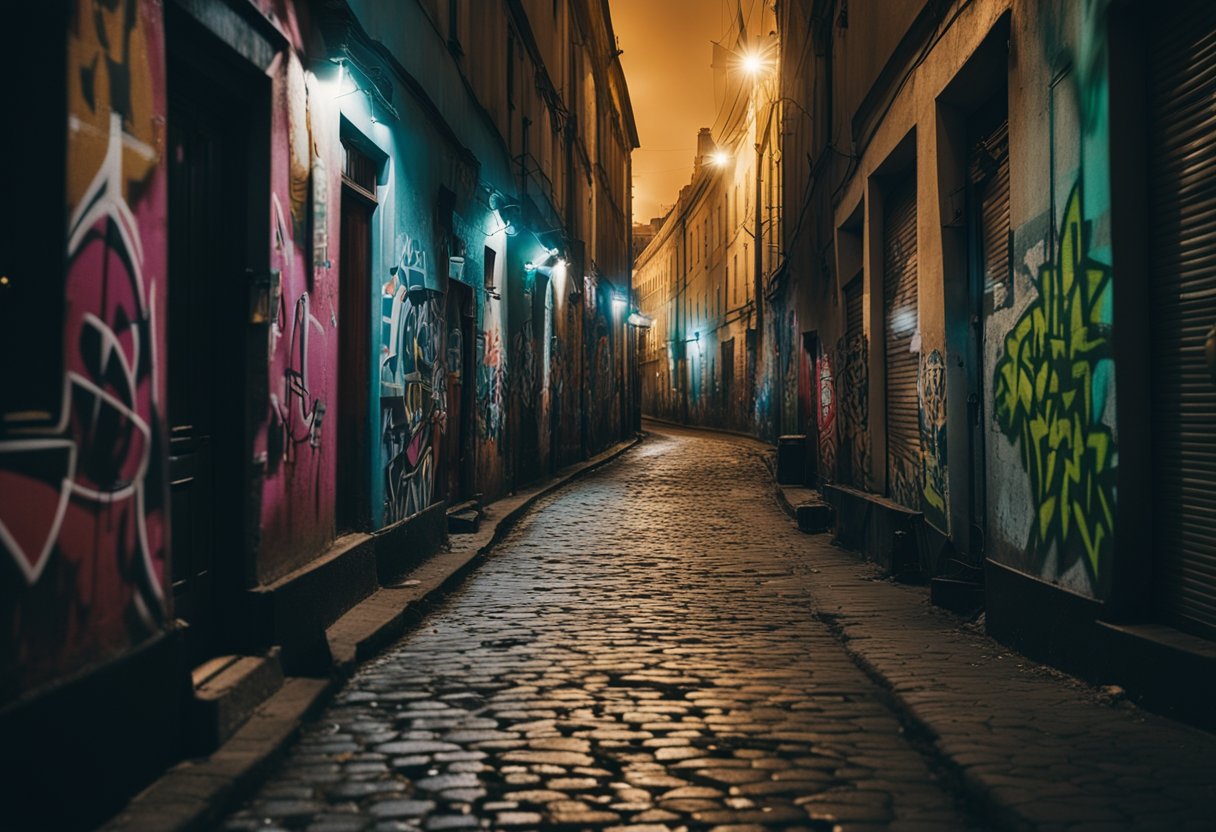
column 656, row 647
column 624, row 415
column 641, row 649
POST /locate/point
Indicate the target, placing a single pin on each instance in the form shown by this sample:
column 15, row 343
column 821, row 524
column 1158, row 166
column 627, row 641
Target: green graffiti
column 1046, row 398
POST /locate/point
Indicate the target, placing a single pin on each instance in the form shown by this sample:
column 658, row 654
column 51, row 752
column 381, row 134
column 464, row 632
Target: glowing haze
column 666, row 59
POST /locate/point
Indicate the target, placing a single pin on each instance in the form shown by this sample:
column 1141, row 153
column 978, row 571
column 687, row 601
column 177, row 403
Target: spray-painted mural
column 1050, row 401
column 491, row 379
column 853, row 406
column 931, row 394
column 413, row 392
column 296, row 411
column 82, row 501
column 825, row 416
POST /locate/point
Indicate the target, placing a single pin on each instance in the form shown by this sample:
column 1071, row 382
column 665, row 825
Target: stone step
column 464, row 522
column 956, row 594
column 227, row 690
column 815, row 517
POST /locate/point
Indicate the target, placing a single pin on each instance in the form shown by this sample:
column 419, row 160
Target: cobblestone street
column 640, row 652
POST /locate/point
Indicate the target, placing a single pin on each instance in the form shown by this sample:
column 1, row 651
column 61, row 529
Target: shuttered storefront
column 1182, row 237
column 994, row 210
column 852, row 390
column 901, row 322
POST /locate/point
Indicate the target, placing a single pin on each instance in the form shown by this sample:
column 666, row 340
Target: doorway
column 352, row 511
column 212, row 172
column 990, row 243
column 809, row 397
column 458, row 436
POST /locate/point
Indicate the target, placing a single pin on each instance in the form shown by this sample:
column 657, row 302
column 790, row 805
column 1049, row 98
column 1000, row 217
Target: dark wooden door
column 457, row 438
column 351, row 508
column 206, row 298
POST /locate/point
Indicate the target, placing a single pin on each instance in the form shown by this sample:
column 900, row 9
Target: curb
column 194, row 794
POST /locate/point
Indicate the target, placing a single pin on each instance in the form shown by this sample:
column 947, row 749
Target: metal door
column 1182, row 235
column 901, row 324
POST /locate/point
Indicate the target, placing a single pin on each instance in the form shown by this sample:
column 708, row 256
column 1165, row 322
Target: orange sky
column 666, row 58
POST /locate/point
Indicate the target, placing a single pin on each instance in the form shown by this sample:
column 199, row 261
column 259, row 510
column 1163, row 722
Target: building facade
column 995, row 234
column 707, row 277
column 324, row 270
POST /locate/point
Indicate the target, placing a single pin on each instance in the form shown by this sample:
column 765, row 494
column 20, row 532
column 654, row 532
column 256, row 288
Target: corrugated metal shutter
column 994, row 211
column 901, row 319
column 853, row 322
column 1182, row 234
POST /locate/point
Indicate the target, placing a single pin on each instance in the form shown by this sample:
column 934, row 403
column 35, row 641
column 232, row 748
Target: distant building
column 704, row 278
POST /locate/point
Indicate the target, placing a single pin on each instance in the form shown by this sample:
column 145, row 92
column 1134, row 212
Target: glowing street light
column 719, row 158
column 753, row 63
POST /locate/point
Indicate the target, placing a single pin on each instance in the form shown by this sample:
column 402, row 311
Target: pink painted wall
column 83, row 516
column 298, row 434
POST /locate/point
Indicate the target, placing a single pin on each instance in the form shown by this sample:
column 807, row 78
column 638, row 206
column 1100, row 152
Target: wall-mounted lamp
column 619, row 302
column 264, row 292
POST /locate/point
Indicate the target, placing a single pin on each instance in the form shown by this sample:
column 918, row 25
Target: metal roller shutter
column 1182, row 234
column 901, row 319
column 994, row 211
column 853, row 323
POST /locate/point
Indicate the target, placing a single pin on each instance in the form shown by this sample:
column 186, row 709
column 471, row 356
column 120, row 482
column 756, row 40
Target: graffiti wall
column 83, row 518
column 296, row 434
column 931, row 418
column 853, row 408
column 1050, row 402
column 1049, row 355
column 825, row 416
column 413, row 387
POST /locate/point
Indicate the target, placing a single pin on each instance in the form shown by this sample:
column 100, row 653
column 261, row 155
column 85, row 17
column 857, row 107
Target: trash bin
column 791, row 459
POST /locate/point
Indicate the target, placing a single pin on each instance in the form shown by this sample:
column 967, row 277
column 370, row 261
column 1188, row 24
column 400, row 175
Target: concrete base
column 814, row 517
column 884, row 531
column 226, row 691
column 1159, row 667
column 402, row 546
column 294, row 611
column 956, row 594
column 74, row 754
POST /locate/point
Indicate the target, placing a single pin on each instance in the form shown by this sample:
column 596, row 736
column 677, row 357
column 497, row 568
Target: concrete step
column 815, row 517
column 465, row 518
column 464, row 522
column 956, row 594
column 227, row 690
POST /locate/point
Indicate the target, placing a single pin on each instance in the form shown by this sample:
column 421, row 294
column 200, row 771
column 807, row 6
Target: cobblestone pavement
column 639, row 653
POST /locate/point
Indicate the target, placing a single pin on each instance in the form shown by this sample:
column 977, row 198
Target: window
column 511, row 70
column 454, row 27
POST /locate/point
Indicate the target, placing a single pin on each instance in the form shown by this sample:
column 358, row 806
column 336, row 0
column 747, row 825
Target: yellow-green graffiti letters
column 1047, row 401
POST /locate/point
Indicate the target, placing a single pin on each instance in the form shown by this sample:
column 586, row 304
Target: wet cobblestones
column 638, row 654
